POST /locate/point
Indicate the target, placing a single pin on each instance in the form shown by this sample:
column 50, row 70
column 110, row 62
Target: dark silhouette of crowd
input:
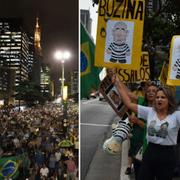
column 35, row 134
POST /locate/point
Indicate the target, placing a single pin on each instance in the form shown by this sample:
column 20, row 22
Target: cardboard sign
column 174, row 62
column 113, row 97
column 139, row 75
column 119, row 33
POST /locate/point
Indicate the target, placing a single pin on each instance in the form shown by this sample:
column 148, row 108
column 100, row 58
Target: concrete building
column 86, row 20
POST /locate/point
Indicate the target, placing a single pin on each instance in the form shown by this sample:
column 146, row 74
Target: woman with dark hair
column 163, row 122
column 138, row 142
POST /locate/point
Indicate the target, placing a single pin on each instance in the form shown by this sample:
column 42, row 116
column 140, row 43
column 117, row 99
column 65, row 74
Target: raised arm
column 124, row 94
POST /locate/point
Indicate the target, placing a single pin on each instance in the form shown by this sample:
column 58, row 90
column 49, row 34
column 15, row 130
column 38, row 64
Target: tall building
column 45, row 79
column 41, row 69
column 36, row 52
column 14, row 47
column 31, row 56
column 74, row 82
column 7, row 80
column 153, row 5
column 37, row 38
column 86, row 19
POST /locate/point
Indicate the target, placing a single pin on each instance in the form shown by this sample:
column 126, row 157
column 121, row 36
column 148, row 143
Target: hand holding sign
column 121, row 132
column 109, row 91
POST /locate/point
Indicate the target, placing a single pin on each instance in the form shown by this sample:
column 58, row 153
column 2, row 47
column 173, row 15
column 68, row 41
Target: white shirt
column 44, row 171
column 58, row 156
column 163, row 132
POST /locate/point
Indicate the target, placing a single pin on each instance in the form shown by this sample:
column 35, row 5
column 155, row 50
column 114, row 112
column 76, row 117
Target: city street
column 96, row 118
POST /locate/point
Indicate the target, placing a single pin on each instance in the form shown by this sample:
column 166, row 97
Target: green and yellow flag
column 89, row 74
column 9, row 166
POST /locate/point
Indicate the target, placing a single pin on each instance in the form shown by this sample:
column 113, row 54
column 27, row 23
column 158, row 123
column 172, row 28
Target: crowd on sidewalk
column 36, row 133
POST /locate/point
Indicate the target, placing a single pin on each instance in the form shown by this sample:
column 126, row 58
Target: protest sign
column 119, row 33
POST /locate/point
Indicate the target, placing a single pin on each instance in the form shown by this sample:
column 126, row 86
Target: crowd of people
column 37, row 133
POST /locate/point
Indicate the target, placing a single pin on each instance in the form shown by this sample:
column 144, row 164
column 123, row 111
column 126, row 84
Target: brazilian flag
column 89, row 73
column 9, row 166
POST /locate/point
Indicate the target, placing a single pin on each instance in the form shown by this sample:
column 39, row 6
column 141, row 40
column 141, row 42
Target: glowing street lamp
column 62, row 56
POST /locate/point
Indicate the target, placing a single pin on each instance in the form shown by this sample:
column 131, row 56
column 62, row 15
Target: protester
column 138, row 140
column 71, row 168
column 163, row 122
column 44, row 172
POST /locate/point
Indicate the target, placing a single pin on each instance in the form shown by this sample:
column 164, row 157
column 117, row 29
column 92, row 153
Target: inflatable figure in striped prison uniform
column 119, row 134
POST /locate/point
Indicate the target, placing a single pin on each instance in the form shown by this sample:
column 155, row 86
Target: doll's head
column 119, row 32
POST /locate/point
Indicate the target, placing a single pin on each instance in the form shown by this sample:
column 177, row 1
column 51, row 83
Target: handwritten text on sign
column 142, row 74
column 125, row 9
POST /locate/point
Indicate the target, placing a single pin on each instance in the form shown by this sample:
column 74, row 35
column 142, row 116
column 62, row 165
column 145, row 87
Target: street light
column 62, row 56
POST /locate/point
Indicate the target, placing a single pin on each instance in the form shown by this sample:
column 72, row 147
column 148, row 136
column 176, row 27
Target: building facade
column 45, row 78
column 14, row 47
column 86, row 19
column 74, row 82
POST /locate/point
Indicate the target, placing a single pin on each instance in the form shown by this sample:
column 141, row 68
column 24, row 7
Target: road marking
column 92, row 101
column 89, row 101
column 90, row 124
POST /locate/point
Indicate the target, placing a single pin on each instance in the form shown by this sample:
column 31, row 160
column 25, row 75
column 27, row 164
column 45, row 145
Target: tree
column 30, row 93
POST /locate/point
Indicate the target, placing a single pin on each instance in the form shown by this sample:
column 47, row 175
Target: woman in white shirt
column 163, row 122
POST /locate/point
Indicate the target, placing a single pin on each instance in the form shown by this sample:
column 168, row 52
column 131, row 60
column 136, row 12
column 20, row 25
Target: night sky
column 59, row 27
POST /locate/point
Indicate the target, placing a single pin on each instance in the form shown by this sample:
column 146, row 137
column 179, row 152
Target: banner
column 174, row 62
column 119, row 33
column 139, row 75
column 89, row 74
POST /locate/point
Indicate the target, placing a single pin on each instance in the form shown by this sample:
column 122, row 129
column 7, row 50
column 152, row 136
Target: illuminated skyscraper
column 37, row 38
column 37, row 54
column 14, row 48
column 42, row 69
column 74, row 82
column 45, row 78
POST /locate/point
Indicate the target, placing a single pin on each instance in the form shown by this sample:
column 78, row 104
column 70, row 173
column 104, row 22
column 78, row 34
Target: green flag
column 89, row 73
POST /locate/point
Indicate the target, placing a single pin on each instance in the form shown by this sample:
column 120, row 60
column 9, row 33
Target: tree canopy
column 31, row 93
